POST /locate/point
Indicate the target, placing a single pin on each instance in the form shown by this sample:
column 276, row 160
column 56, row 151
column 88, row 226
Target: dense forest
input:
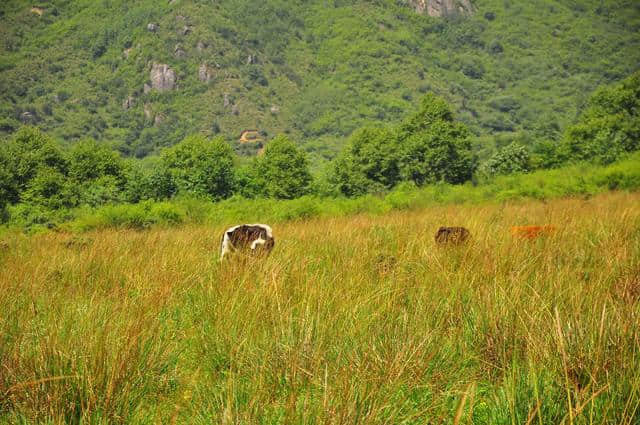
column 140, row 76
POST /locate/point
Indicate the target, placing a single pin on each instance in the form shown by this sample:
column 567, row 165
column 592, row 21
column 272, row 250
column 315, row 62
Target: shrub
column 282, row 172
column 510, row 159
column 369, row 163
column 434, row 147
column 200, row 167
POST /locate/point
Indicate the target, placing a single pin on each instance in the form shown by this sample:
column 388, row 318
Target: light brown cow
column 532, row 232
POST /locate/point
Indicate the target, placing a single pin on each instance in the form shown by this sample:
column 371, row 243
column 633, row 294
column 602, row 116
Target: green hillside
column 315, row 70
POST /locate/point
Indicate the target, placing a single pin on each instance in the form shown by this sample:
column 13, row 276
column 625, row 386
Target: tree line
column 39, row 177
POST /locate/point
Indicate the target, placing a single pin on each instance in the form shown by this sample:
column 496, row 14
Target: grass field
column 354, row 320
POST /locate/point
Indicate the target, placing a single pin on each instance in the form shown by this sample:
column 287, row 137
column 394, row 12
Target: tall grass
column 357, row 319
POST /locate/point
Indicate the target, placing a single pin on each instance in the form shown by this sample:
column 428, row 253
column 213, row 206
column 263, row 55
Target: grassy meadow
column 357, row 319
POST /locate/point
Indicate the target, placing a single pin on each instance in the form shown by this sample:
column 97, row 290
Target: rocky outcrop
column 148, row 113
column 274, row 109
column 205, row 73
column 159, row 119
column 162, row 77
column 178, row 52
column 201, row 46
column 28, row 117
column 128, row 103
column 442, row 8
column 152, row 27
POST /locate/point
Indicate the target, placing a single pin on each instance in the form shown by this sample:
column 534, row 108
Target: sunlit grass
column 350, row 320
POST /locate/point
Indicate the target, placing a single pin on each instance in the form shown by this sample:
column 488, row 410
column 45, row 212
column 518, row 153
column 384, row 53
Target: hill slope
column 316, row 70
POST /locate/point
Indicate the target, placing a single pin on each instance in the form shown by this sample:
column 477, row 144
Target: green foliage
column 24, row 155
column 282, row 172
column 510, row 159
column 610, row 125
column 131, row 216
column 329, row 70
column 576, row 180
column 200, row 167
column 51, row 189
column 435, row 147
column 369, row 163
column 99, row 172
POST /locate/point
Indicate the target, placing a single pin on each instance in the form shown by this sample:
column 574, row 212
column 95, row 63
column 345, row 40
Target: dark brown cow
column 255, row 238
column 452, row 235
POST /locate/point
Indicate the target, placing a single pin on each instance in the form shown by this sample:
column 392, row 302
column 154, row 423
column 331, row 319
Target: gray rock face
column 128, row 103
column 178, row 52
column 27, row 117
column 201, row 46
column 204, row 73
column 152, row 27
column 442, row 8
column 184, row 30
column 274, row 109
column 159, row 119
column 148, row 113
column 163, row 78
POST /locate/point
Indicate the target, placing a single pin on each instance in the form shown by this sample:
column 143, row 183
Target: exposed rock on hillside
column 129, row 102
column 159, row 119
column 148, row 113
column 163, row 78
column 204, row 73
column 442, row 8
column 201, row 46
column 27, row 117
column 152, row 27
column 178, row 52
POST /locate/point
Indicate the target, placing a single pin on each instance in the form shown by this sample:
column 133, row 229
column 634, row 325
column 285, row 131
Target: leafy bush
column 434, row 147
column 200, row 167
column 282, row 172
column 610, row 125
column 369, row 163
column 510, row 159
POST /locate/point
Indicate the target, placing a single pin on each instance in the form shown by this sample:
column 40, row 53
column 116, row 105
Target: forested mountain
column 143, row 75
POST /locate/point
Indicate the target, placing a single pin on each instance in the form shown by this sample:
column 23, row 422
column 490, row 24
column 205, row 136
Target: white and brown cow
column 254, row 238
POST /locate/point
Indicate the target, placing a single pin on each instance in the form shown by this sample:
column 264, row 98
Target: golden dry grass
column 350, row 320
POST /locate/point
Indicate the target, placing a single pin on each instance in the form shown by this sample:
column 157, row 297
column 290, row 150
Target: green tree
column 433, row 146
column 513, row 158
column 609, row 126
column 369, row 163
column 200, row 167
column 282, row 172
column 28, row 151
column 98, row 171
column 51, row 189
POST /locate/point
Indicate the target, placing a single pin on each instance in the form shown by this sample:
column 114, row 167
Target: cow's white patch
column 226, row 245
column 257, row 242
